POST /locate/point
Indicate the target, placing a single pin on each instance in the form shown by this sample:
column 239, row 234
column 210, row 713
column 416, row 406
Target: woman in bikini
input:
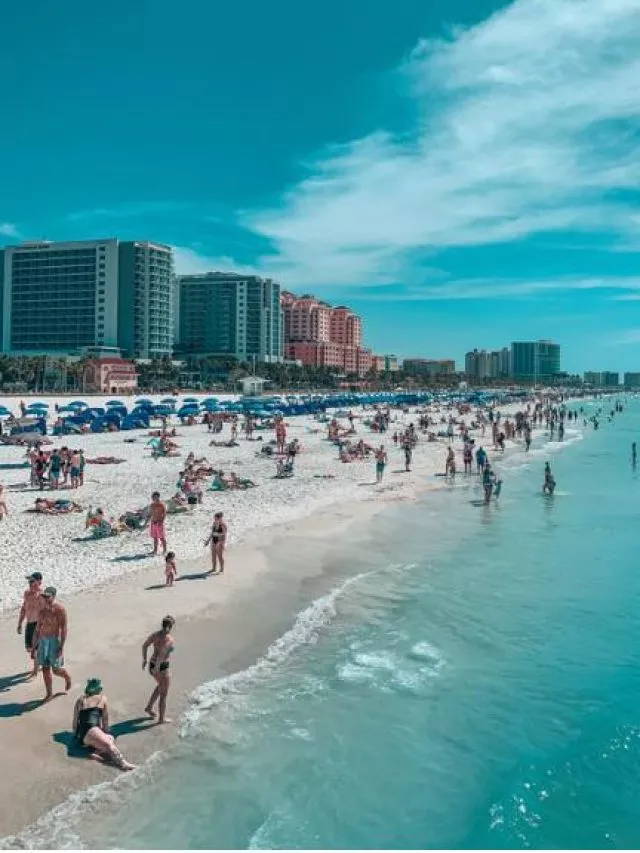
column 217, row 539
column 91, row 725
column 163, row 646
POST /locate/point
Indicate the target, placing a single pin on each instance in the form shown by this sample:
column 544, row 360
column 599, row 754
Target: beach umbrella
column 4, row 411
column 190, row 400
column 168, row 400
column 78, row 404
column 144, row 401
column 114, row 403
column 37, row 407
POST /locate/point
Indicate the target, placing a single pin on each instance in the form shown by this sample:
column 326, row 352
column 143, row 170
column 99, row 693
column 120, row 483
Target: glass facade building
column 63, row 297
column 228, row 314
column 534, row 359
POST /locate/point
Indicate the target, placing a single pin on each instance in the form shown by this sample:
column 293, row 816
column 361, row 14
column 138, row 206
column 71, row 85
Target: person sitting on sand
column 163, row 646
column 91, row 726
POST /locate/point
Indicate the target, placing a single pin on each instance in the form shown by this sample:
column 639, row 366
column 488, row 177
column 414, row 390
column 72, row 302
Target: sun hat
column 93, row 687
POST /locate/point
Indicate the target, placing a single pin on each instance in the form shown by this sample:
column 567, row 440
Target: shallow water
column 474, row 686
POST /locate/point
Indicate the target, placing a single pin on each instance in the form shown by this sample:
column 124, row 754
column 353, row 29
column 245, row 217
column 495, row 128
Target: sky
column 463, row 173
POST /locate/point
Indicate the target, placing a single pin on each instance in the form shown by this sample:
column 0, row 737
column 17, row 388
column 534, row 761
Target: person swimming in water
column 634, row 455
column 549, row 485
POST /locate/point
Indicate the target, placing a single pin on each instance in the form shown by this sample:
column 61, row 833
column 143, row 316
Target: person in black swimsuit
column 163, row 646
column 217, row 538
column 91, row 725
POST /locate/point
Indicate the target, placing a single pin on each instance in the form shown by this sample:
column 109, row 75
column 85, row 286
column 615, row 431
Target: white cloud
column 632, row 336
column 8, row 229
column 492, row 288
column 526, row 126
column 190, row 262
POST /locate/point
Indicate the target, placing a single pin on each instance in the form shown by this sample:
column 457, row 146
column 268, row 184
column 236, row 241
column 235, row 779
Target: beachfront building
column 59, row 298
column 484, row 364
column 429, row 367
column 535, row 360
column 110, row 375
column 632, row 380
column 319, row 335
column 386, row 363
column 602, row 379
column 228, row 314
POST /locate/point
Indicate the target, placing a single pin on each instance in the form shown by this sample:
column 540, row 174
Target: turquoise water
column 475, row 686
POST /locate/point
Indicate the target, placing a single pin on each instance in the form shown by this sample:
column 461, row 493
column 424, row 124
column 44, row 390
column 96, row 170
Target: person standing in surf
column 549, row 485
column 488, row 482
column 634, row 455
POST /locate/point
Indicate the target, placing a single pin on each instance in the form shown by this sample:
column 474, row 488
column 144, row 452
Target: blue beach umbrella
column 78, row 404
column 114, row 403
column 4, row 411
column 144, row 401
column 190, row 400
column 168, row 400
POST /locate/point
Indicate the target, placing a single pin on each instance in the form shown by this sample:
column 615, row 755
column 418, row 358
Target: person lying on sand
column 61, row 506
column 91, row 726
column 105, row 460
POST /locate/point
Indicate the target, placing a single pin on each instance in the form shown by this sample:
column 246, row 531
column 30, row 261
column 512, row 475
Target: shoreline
column 261, row 596
column 272, row 575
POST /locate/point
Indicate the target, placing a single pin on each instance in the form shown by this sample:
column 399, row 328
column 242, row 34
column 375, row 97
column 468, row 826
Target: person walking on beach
column 450, row 464
column 381, row 462
column 29, row 612
column 170, row 570
column 91, row 725
column 3, row 504
column 158, row 513
column 217, row 539
column 408, row 453
column 50, row 637
column 163, row 646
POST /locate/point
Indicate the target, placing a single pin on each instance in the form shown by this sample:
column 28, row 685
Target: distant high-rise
column 602, row 379
column 230, row 314
column 480, row 364
column 60, row 298
column 535, row 360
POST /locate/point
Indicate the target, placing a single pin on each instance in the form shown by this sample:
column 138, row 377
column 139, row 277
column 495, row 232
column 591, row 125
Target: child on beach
column 170, row 570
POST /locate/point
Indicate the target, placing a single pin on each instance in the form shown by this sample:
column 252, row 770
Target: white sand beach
column 113, row 589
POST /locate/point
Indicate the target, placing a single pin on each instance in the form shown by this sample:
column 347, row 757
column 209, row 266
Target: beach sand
column 282, row 533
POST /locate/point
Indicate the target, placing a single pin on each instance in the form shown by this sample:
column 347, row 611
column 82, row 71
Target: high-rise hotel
column 229, row 314
column 59, row 298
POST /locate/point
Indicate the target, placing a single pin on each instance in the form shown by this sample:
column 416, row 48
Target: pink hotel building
column 319, row 335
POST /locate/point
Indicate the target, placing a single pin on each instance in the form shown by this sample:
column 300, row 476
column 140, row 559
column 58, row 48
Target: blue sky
column 462, row 172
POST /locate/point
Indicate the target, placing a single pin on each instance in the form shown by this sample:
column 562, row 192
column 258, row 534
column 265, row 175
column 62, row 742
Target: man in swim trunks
column 381, row 462
column 158, row 513
column 50, row 638
column 30, row 611
column 163, row 646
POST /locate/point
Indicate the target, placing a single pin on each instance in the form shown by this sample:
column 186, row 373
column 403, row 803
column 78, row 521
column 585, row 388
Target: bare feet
column 126, row 766
column 67, row 684
column 47, row 698
column 150, row 712
column 166, row 720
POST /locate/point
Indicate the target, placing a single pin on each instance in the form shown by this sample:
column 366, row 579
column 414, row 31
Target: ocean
column 471, row 681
